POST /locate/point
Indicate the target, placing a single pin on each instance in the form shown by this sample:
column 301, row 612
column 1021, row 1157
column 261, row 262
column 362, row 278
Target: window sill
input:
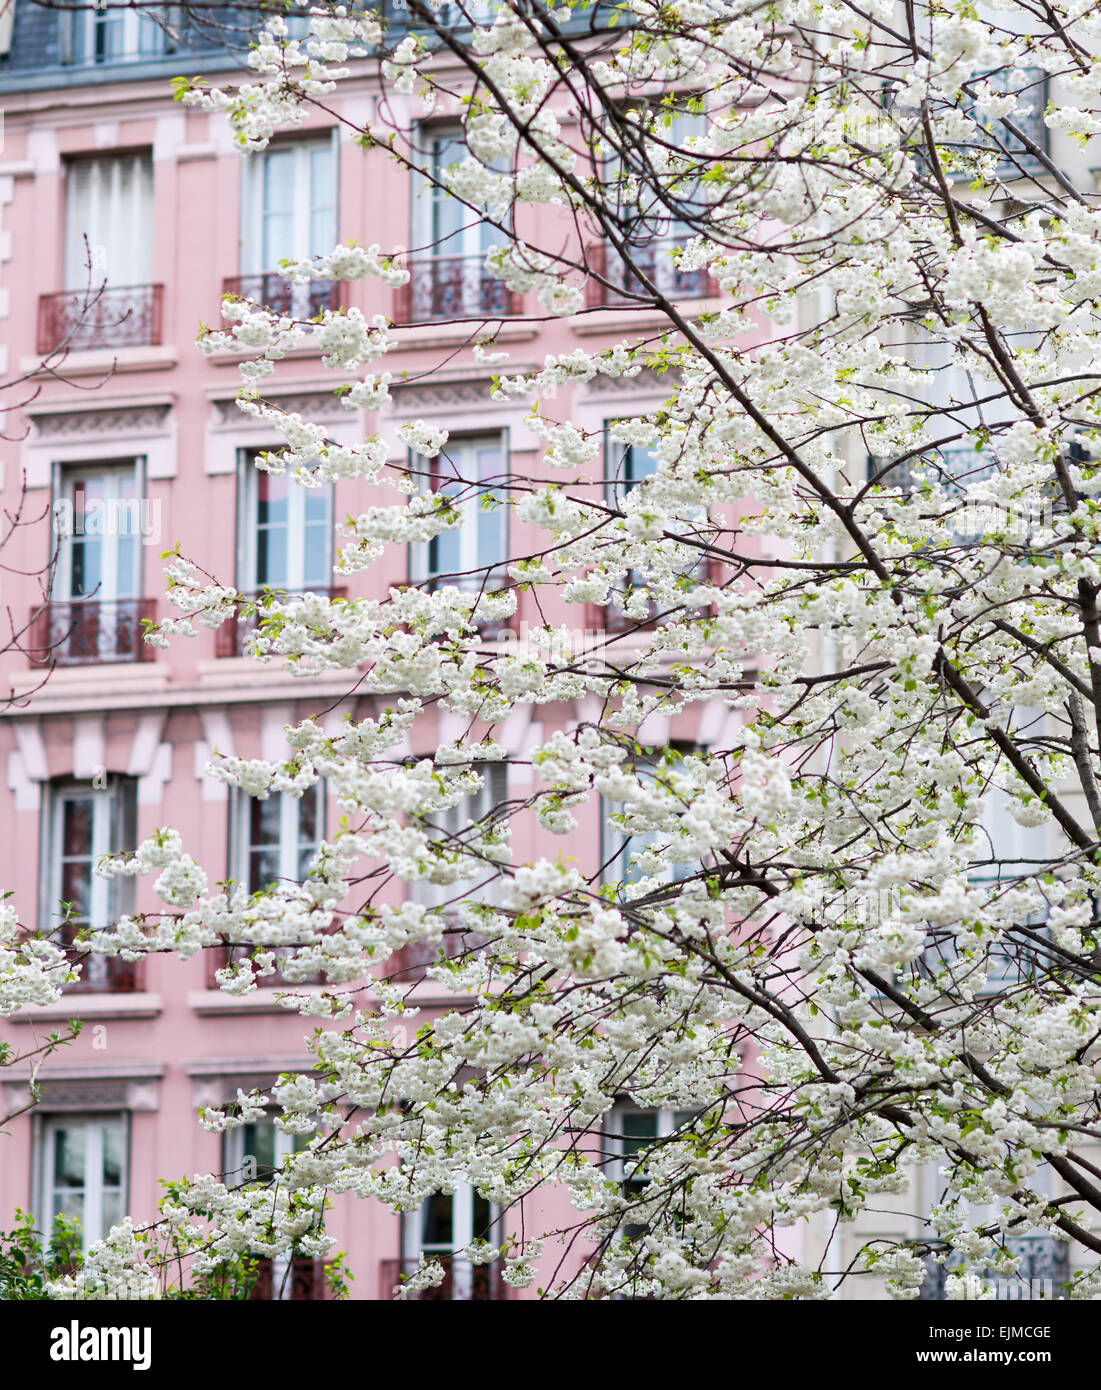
column 430, row 335
column 627, row 319
column 213, row 1003
column 96, row 361
column 93, row 1006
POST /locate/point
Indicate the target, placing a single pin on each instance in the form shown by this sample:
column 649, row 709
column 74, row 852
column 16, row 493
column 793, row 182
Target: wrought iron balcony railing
column 612, row 283
column 112, row 317
column 90, row 632
column 231, row 638
column 444, row 287
column 271, row 291
column 1042, row 1274
column 462, row 1282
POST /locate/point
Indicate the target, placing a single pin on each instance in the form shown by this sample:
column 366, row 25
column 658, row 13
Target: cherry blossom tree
column 858, row 938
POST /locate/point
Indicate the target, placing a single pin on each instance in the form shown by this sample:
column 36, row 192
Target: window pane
column 264, row 821
column 77, row 826
column 263, row 869
column 436, row 1222
column 112, row 1155
column 307, row 817
column 259, row 1140
column 68, row 1156
column 315, row 560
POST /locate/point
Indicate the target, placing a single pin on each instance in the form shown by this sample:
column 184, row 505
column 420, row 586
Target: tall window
column 254, row 1153
column 85, row 823
column 455, row 827
column 286, row 538
column 448, row 271
column 671, row 183
column 441, row 1228
column 629, row 1132
column 83, row 1171
column 111, row 33
column 109, row 213
column 625, row 836
column 96, row 609
column 471, row 554
column 277, row 838
column 626, row 467
column 274, row 841
column 288, row 213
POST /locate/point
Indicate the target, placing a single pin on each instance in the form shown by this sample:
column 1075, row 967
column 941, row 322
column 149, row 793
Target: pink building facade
column 102, row 176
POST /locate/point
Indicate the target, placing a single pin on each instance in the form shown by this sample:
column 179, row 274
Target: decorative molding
column 78, row 435
column 123, row 420
column 443, row 395
column 126, row 1086
column 314, row 405
column 646, row 382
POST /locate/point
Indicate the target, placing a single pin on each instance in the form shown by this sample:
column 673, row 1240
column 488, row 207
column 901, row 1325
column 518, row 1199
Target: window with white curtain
column 109, row 217
column 289, row 207
column 112, row 32
column 82, row 1171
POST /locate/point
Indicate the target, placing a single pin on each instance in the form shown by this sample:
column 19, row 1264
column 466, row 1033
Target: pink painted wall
column 131, row 714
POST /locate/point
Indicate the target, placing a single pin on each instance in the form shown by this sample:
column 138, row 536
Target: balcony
column 409, row 964
column 611, row 281
column 231, row 639
column 1042, row 1274
column 116, row 316
column 462, row 1282
column 271, row 291
column 304, row 1282
column 450, row 287
column 87, row 632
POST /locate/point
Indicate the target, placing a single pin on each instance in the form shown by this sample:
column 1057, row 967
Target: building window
column 441, row 1229
column 96, row 612
column 454, row 828
column 83, row 1171
column 110, row 32
column 626, row 467
column 286, row 540
column 109, row 299
column 472, row 554
column 655, row 235
column 629, row 1133
column 277, row 837
column 274, row 841
column 288, row 213
column 83, row 824
column 109, row 215
column 255, row 1153
column 448, row 278
column 625, row 837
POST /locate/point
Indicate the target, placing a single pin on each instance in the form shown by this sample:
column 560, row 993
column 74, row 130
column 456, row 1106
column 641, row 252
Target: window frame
column 114, row 817
column 248, row 528
column 44, row 1190
column 430, row 479
column 251, row 236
